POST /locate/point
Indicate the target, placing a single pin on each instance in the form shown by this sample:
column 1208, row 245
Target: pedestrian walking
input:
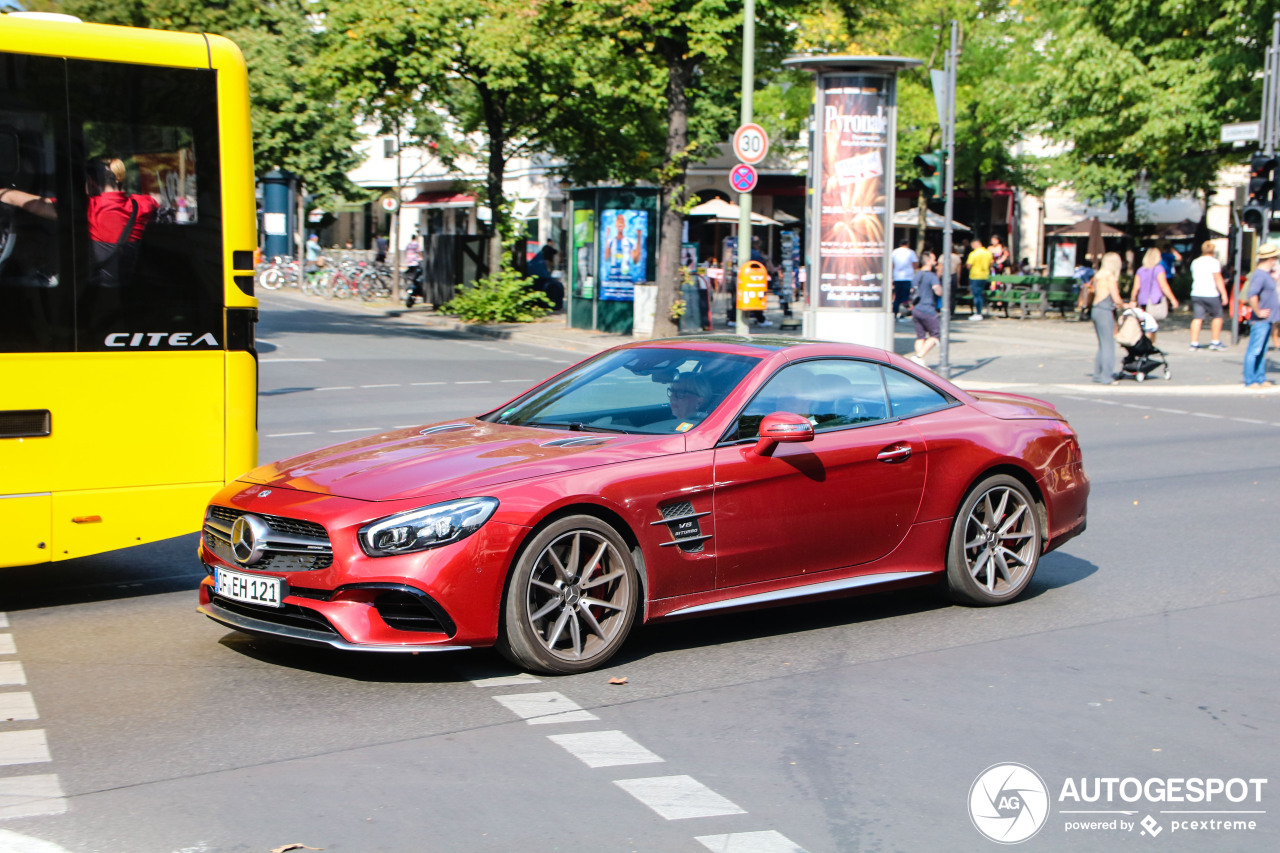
column 926, row 289
column 1106, row 298
column 979, row 264
column 1208, row 297
column 1265, row 305
column 1151, row 290
column 905, row 264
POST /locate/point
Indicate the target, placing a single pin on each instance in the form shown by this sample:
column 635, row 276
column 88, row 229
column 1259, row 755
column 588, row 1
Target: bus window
column 152, row 224
column 36, row 299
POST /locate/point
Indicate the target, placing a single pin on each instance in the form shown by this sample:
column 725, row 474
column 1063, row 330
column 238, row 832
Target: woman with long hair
column 1106, row 298
column 1151, row 290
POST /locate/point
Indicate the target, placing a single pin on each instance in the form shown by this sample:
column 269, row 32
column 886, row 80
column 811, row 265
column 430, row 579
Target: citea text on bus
column 154, row 339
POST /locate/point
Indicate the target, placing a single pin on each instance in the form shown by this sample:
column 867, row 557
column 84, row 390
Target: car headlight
column 429, row 527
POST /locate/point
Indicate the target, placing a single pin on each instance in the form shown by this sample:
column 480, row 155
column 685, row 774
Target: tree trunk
column 674, row 192
column 923, row 209
column 495, row 124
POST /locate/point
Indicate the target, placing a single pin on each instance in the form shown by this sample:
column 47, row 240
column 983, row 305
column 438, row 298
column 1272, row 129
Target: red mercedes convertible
column 655, row 480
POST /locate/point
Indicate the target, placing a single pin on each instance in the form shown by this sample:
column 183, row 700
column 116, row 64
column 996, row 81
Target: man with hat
column 1265, row 304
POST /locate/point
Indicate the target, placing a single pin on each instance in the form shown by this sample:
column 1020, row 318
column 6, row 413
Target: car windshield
column 657, row 391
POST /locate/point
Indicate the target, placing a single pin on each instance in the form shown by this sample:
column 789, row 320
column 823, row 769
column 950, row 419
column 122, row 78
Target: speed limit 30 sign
column 750, row 143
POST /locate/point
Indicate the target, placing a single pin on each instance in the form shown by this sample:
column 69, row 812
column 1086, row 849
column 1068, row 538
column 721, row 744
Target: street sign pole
column 744, row 199
column 948, row 187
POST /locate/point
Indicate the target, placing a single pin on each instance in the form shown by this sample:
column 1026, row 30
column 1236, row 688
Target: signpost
column 743, row 178
column 750, row 143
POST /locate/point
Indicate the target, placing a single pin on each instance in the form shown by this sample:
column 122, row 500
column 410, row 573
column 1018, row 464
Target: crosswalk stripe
column 4, row 620
column 24, row 747
column 541, row 708
column 7, row 646
column 31, row 796
column 678, row 797
column 767, row 841
column 505, row 680
column 605, row 749
column 11, row 672
column 17, row 706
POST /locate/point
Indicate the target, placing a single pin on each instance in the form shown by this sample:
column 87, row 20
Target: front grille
column 290, row 614
column 304, row 545
column 408, row 612
column 292, row 526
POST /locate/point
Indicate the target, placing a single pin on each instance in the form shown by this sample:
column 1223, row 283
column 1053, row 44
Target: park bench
column 1029, row 293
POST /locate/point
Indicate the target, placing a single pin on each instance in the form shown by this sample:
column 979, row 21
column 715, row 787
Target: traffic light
column 930, row 164
column 1262, row 197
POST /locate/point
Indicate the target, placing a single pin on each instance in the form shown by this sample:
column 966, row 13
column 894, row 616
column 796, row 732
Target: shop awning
column 441, row 199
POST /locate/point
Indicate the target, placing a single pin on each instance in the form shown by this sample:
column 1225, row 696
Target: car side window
column 910, row 396
column 831, row 393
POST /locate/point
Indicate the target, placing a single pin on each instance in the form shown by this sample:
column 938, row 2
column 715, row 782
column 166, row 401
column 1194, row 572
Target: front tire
column 572, row 598
column 995, row 543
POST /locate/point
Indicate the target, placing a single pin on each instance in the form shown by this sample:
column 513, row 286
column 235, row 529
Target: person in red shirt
column 117, row 220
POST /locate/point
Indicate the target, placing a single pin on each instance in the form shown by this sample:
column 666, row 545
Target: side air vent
column 26, row 423
column 682, row 523
column 433, row 430
column 588, row 441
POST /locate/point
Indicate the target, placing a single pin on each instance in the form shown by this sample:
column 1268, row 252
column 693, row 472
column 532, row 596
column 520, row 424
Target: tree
column 1138, row 89
column 462, row 68
column 297, row 123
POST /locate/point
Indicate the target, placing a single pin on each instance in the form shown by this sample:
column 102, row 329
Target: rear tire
column 571, row 600
column 995, row 543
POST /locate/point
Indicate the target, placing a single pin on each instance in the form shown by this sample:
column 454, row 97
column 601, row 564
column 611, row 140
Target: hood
column 463, row 456
column 1012, row 407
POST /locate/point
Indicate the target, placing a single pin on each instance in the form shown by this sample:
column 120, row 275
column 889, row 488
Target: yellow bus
column 128, row 375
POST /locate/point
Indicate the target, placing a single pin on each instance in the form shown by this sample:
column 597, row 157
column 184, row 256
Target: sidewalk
column 1053, row 353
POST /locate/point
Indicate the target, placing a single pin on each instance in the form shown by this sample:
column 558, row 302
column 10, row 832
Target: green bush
column 502, row 298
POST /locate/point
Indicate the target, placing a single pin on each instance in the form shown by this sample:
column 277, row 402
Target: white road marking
column 356, row 429
column 1249, row 421
column 287, row 434
column 4, row 620
column 389, row 385
column 284, row 360
column 7, row 646
column 517, row 380
column 17, row 706
column 506, row 680
column 767, row 841
column 11, row 673
column 25, row 747
column 539, row 708
column 473, row 382
column 428, row 383
column 337, row 388
column 1173, row 411
column 30, row 796
column 1135, row 406
column 1207, row 415
column 678, row 797
column 605, row 749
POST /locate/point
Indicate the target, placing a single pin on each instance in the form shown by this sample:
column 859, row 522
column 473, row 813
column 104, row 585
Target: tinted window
column 110, row 226
column 37, row 296
column 910, row 396
column 831, row 393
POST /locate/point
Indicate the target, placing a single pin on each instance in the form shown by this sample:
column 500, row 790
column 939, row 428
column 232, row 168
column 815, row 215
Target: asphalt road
column 1145, row 649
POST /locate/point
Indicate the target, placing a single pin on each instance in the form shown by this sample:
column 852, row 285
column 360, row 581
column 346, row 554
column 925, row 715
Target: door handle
column 895, row 453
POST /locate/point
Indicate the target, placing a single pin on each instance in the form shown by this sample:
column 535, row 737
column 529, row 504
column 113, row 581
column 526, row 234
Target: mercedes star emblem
column 249, row 539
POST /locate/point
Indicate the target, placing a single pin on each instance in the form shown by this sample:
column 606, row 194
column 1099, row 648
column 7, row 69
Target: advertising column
column 851, row 178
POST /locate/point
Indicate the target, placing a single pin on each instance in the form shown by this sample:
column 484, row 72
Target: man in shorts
column 905, row 264
column 1208, row 297
column 926, row 290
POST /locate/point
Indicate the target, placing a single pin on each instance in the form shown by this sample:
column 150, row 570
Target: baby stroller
column 1141, row 356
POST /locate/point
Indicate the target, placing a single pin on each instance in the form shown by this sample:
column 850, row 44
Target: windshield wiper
column 574, row 426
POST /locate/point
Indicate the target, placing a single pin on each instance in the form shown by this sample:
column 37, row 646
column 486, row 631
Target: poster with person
column 624, row 236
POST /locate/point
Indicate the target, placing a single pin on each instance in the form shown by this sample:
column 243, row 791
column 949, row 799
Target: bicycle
column 375, row 283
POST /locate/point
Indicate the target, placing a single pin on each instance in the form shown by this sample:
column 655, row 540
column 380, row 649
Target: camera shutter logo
column 1008, row 803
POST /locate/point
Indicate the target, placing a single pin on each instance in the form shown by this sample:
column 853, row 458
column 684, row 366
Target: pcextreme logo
column 1009, row 803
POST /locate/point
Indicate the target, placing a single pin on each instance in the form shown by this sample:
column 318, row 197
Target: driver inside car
column 688, row 395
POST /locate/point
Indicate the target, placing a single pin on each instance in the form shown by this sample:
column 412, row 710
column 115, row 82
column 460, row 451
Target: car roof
column 759, row 345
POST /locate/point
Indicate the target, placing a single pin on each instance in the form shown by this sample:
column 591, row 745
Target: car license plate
column 251, row 589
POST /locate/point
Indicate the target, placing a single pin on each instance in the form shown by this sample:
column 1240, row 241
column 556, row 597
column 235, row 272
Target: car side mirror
column 782, row 428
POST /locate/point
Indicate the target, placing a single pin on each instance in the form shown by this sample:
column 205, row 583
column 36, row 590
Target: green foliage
column 297, row 123
column 501, row 298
